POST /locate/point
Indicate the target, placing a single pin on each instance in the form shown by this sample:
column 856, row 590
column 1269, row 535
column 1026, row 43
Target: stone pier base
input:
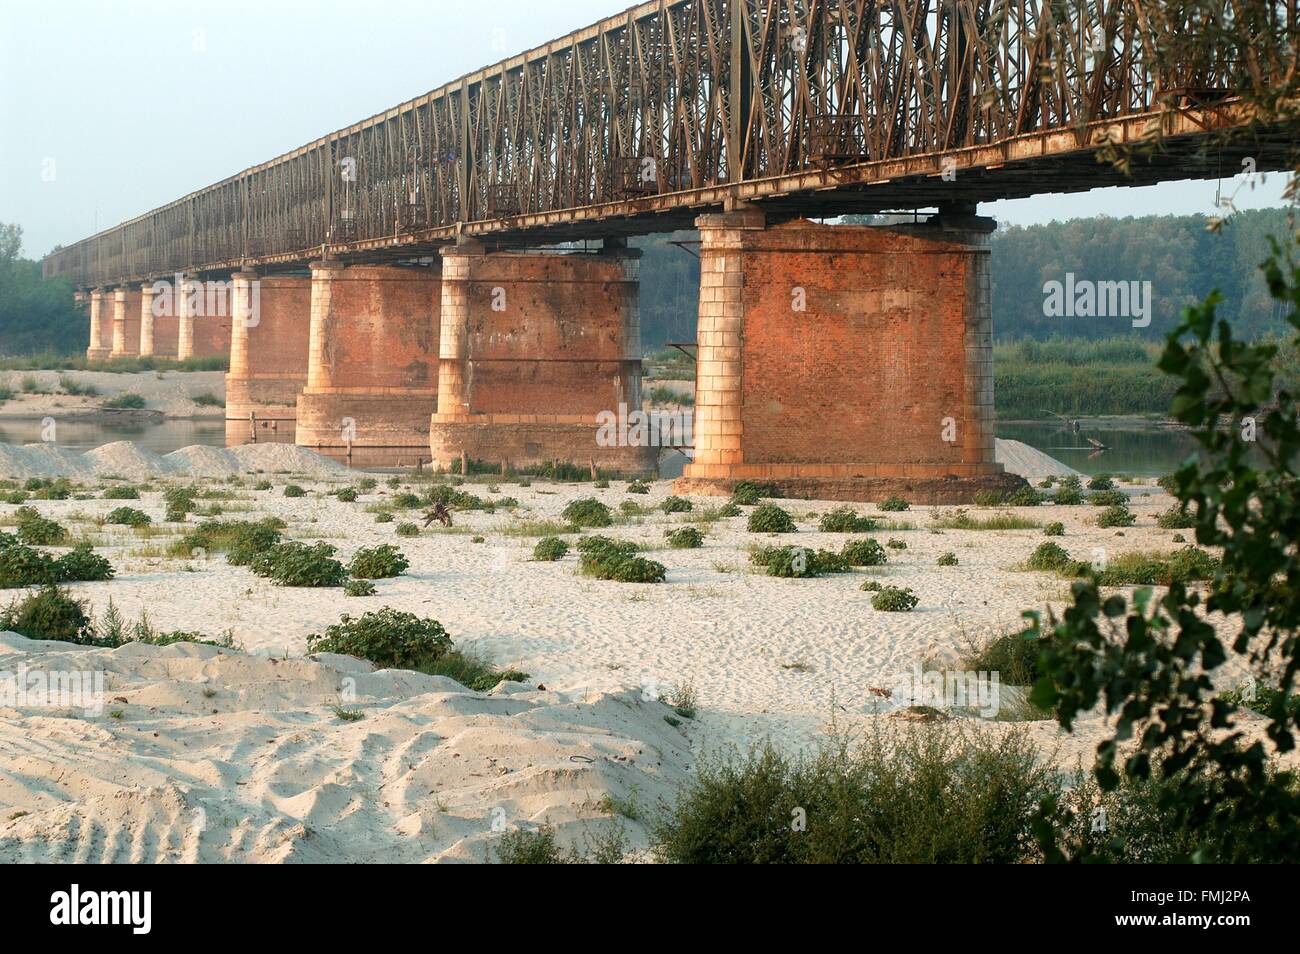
column 372, row 369
column 845, row 362
column 270, row 329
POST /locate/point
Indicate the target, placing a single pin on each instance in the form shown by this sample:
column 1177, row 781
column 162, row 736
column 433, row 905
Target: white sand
column 1028, row 462
column 278, row 776
column 127, row 459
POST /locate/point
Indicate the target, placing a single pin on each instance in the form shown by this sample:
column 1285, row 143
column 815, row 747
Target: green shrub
column 729, row 509
column 179, row 501
column 795, row 561
column 1101, row 482
column 1116, row 516
column 1054, row 529
column 128, row 400
column 471, row 671
column 747, row 493
column 1176, row 518
column 367, row 484
column 297, row 564
column 241, row 539
column 894, row 544
column 35, row 530
column 49, row 613
column 1262, row 699
column 769, row 518
column 347, row 495
column 128, row 517
column 22, row 566
column 637, row 570
column 120, row 493
column 947, row 559
column 1185, row 565
column 1108, row 498
column 607, row 559
column 1068, row 496
column 388, row 638
column 293, row 490
column 82, row 564
column 1014, row 656
column 383, row 516
column 1025, row 496
column 359, row 588
column 934, row 795
column 893, row 505
column 58, row 489
column 1051, row 557
column 550, row 549
column 16, row 497
column 378, row 563
column 893, row 599
column 587, row 512
column 407, row 530
column 262, row 485
column 404, row 501
column 844, row 520
column 638, row 487
column 684, row 538
column 522, row 846
column 988, row 498
column 864, row 553
column 870, row 586
column 677, row 505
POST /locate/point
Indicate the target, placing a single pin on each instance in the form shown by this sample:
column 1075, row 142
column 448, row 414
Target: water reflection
column 1139, row 451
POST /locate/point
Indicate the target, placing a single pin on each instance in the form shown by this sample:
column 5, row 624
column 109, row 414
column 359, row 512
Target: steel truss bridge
column 672, row 108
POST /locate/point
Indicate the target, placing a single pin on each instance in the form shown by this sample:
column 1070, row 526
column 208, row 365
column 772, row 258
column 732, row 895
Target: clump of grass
column 607, row 559
column 550, row 549
column 75, row 388
column 864, row 553
column 747, row 493
column 1054, row 529
column 893, row 505
column 895, row 544
column 1176, row 518
column 120, row 493
column 1013, row 656
column 793, row 561
column 1108, row 498
column 293, row 490
column 638, row 486
column 947, row 559
column 961, row 519
column 769, row 518
column 346, row 495
column 1054, row 558
column 845, row 520
column 1186, row 565
column 677, row 504
column 684, row 538
column 359, row 588
column 208, row 399
column 297, row 564
column 587, row 512
column 472, row 671
column 407, row 530
column 385, row 516
column 129, row 400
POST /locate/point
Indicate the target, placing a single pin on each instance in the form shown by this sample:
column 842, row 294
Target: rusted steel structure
column 673, row 108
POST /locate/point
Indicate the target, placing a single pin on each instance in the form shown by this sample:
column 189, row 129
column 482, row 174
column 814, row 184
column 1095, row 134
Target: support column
column 845, row 362
column 126, row 323
column 101, row 334
column 540, row 360
column 269, row 334
column 146, row 320
column 203, row 323
column 185, row 307
column 372, row 359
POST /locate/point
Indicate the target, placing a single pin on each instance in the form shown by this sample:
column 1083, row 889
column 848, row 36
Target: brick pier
column 534, row 346
column 126, row 322
column 269, row 333
column 101, row 325
column 845, row 362
column 372, row 365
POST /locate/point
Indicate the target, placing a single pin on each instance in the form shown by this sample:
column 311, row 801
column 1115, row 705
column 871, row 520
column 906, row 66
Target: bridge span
column 395, row 284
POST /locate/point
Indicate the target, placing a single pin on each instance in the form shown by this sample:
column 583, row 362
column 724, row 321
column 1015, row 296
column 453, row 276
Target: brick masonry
column 270, row 331
column 372, row 366
column 101, row 325
column 844, row 362
column 126, row 323
column 533, row 347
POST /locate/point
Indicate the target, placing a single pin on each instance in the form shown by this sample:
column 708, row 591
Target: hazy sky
column 109, row 109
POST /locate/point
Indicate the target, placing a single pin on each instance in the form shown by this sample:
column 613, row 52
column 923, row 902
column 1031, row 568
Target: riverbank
column 81, row 395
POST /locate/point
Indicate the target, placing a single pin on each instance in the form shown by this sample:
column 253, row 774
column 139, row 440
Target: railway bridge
column 452, row 276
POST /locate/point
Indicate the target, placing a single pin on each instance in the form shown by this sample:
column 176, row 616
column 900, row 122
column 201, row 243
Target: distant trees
column 36, row 315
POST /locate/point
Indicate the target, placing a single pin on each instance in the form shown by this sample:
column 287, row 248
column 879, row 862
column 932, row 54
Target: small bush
column 587, row 512
column 947, row 559
column 895, row 544
column 1050, row 557
column 471, row 671
column 1054, row 529
column 677, row 505
column 1176, row 518
column 407, row 530
column 769, row 518
column 82, row 565
column 35, row 530
column 747, row 493
column 864, row 553
column 1068, row 496
column 293, row 490
column 729, row 509
column 1025, row 496
column 128, row 400
column 297, row 564
column 1116, row 516
column 378, row 563
column 128, row 517
column 1147, row 569
column 637, row 570
column 870, row 586
column 796, row 562
column 388, row 638
column 638, row 487
column 893, row 599
column 120, row 493
column 844, row 520
column 550, row 549
column 1101, row 482
column 347, row 495
column 384, row 516
column 262, row 485
column 22, row 566
column 607, row 559
column 49, row 613
column 1108, row 498
column 359, row 588
column 1012, row 656
column 893, row 505
column 179, row 501
column 684, row 538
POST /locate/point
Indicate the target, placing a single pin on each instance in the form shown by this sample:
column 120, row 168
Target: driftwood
column 441, row 513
